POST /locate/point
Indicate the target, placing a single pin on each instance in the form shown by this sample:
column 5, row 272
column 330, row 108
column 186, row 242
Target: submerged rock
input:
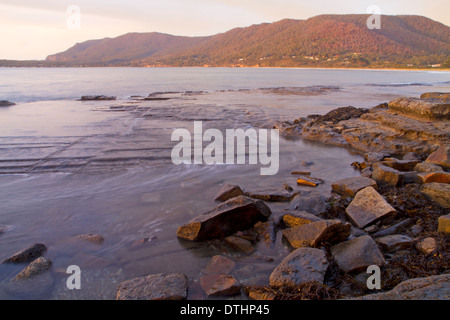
column 28, row 254
column 219, row 265
column 97, row 98
column 38, row 266
column 236, row 214
column 301, row 266
column 239, row 244
column 154, row 287
column 94, row 238
column 368, row 207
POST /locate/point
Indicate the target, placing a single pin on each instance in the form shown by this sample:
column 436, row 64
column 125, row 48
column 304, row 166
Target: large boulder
column 357, row 254
column 440, row 157
column 154, row 287
column 315, row 233
column 368, row 207
column 350, row 186
column 236, row 214
column 429, row 288
column 301, row 266
column 438, row 192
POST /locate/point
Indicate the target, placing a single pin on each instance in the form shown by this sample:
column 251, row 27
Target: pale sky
column 31, row 29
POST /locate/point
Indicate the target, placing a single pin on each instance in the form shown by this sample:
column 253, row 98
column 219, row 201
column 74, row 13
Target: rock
column 438, row 192
column 288, row 187
column 357, row 254
column 350, row 186
column 400, row 165
column 444, row 96
column 426, row 246
column 5, row 103
column 416, row 230
column 439, row 177
column 28, row 254
column 315, row 233
column 372, row 157
column 368, row 207
column 307, row 163
column 309, row 201
column 301, row 173
column 301, row 266
column 258, row 294
column 228, row 191
column 444, row 224
column 411, row 156
column 266, row 231
column 429, row 288
column 294, row 219
column 220, row 285
column 219, row 265
column 367, row 172
column 236, row 214
column 38, row 266
column 97, row 98
column 427, row 167
column 399, row 227
column 386, row 175
column 94, row 238
column 35, row 287
column 421, row 108
column 154, row 287
column 274, row 195
column 240, row 244
column 394, row 242
column 440, row 157
column 410, row 177
column 309, row 181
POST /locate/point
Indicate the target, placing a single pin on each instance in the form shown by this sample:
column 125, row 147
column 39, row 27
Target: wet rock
column 426, row 246
column 315, row 233
column 367, row 172
column 94, row 238
column 307, row 163
column 394, row 242
column 38, row 266
column 398, row 227
column 298, row 218
column 440, row 157
column 97, row 98
column 439, row 177
column 5, row 103
column 422, row 108
column 438, row 192
column 228, row 191
column 350, row 186
column 220, row 285
column 258, row 294
column 372, row 157
column 236, row 214
column 309, row 181
column 301, row 173
column 301, row 266
column 28, row 254
column 219, row 265
column 386, row 175
column 429, row 288
column 154, row 287
column 266, row 231
column 427, row 167
column 368, row 207
column 239, row 244
column 309, row 201
column 274, row 195
column 444, row 224
column 37, row 286
column 400, row 165
column 357, row 254
column 288, row 187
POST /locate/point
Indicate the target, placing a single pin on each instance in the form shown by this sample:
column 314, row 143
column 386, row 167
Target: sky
column 31, row 30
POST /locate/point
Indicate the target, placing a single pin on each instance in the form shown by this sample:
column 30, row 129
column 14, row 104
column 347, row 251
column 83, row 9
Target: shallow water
column 69, row 167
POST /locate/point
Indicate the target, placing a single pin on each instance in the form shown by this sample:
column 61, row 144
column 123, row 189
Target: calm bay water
column 69, row 167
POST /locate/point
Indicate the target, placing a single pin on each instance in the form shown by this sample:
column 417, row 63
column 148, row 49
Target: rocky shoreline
column 394, row 216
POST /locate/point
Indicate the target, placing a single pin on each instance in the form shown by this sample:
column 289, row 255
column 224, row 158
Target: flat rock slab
column 386, row 175
column 301, row 266
column 97, row 98
column 444, row 224
column 228, row 192
column 236, row 214
column 220, row 285
column 350, row 186
column 28, row 254
column 298, row 218
column 368, row 207
column 440, row 157
column 272, row 195
column 438, row 192
column 400, row 165
column 154, row 287
column 429, row 288
column 38, row 266
column 310, row 201
column 421, row 108
column 439, row 177
column 357, row 254
column 315, row 233
column 427, row 167
column 309, row 181
column 394, row 242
